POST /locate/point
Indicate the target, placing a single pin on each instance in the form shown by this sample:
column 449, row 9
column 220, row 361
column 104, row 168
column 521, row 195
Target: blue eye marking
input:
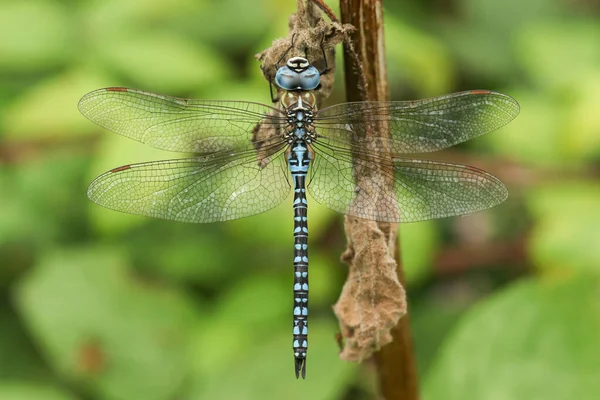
column 298, row 74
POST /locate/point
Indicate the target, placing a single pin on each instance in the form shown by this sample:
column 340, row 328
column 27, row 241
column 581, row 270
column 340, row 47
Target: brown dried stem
column 372, row 305
column 311, row 36
column 325, row 8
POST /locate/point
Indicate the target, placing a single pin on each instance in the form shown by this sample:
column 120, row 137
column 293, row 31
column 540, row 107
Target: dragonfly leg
column 326, row 69
column 276, row 67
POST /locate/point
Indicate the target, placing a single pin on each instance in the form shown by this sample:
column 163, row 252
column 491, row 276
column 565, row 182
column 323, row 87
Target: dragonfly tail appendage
column 300, row 366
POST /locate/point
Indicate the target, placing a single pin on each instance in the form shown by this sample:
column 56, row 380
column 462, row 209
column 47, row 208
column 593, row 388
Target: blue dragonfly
column 250, row 156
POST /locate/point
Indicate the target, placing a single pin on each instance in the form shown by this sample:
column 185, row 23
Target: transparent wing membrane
column 243, row 169
column 183, row 125
column 203, row 189
column 402, row 190
column 415, row 126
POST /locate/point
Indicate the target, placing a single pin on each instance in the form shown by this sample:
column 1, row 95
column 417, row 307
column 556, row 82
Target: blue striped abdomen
column 298, row 161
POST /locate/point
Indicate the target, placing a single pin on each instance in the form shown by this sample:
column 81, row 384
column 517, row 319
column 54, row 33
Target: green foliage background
column 94, row 304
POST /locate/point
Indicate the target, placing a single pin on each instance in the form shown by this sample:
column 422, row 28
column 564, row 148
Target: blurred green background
column 98, row 305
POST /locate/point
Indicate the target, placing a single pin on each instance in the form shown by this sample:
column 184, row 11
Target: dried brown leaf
column 310, row 36
column 372, row 300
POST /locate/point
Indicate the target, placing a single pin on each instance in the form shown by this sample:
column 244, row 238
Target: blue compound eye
column 287, row 79
column 310, row 78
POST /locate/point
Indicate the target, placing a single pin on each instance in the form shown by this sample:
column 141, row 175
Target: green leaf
column 552, row 128
column 257, row 300
column 31, row 391
column 188, row 253
column 161, row 62
column 246, row 314
column 418, row 244
column 536, row 136
column 431, row 320
column 566, row 235
column 536, row 340
column 417, row 60
column 48, row 110
column 254, row 89
column 35, row 35
column 212, row 22
column 41, row 205
column 560, row 55
column 270, row 228
column 102, row 329
column 581, row 138
column 115, row 17
column 275, row 226
column 265, row 370
column 20, row 360
column 325, row 280
column 483, row 35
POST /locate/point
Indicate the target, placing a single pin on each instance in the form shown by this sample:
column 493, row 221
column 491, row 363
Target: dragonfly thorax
column 300, row 107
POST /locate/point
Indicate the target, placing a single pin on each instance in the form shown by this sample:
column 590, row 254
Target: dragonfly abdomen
column 298, row 161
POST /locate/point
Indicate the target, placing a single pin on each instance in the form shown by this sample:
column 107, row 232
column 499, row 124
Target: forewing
column 183, row 125
column 202, row 189
column 415, row 126
column 404, row 190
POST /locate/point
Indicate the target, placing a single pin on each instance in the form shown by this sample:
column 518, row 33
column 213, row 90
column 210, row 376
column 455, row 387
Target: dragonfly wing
column 415, row 126
column 405, row 190
column 171, row 123
column 203, row 189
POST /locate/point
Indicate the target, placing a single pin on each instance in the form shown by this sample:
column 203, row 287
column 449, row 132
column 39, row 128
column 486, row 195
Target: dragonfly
column 249, row 157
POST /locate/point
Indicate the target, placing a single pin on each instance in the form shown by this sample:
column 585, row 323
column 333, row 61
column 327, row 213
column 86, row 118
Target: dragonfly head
column 297, row 74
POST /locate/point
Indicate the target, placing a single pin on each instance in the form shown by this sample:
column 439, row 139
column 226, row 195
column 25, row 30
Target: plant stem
column 395, row 362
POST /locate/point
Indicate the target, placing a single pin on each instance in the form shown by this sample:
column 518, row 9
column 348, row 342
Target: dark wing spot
column 116, row 89
column 119, row 169
column 480, row 92
column 474, row 169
